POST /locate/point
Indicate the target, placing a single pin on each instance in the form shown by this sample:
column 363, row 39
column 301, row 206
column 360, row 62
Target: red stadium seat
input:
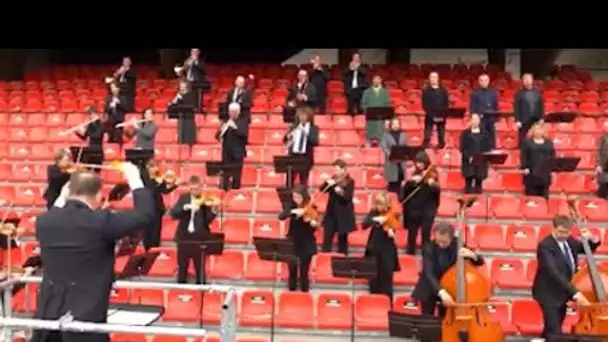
column 295, row 310
column 334, row 311
column 527, row 316
column 256, row 308
column 370, row 312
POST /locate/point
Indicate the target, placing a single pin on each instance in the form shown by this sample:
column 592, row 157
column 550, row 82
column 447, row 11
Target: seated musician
column 232, row 134
column 420, row 196
column 241, row 95
column 536, row 150
column 94, row 133
column 473, row 141
column 195, row 214
column 303, row 93
column 183, row 104
column 438, row 256
column 145, row 130
column 557, row 256
column 158, row 184
column 302, row 225
column 394, row 172
column 381, row 244
column 339, row 215
column 116, row 110
column 301, row 140
column 602, row 167
column 57, row 175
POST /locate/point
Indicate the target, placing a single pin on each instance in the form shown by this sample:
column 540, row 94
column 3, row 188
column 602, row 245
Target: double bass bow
column 593, row 318
column 469, row 319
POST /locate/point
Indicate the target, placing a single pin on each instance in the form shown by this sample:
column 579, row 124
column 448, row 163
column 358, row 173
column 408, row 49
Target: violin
column 469, row 319
column 428, row 174
column 590, row 282
column 341, row 181
column 392, row 219
column 311, row 212
column 72, row 167
column 167, row 177
column 207, row 201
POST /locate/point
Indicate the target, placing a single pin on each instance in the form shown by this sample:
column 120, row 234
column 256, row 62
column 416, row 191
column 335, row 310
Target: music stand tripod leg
column 274, row 290
column 289, row 176
column 203, row 270
column 352, row 305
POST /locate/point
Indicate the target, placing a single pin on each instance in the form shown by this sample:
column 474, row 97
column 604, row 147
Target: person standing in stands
column 474, row 140
column 420, row 196
column 193, row 71
column 602, row 167
column 528, row 106
column 184, row 103
column 145, row 130
column 435, row 102
column 57, row 175
column 233, row 137
column 319, row 78
column 537, row 149
column 116, row 110
column 340, row 212
column 484, row 102
column 557, row 256
column 241, row 95
column 302, row 234
column 93, row 131
column 303, row 93
column 301, row 139
column 375, row 97
column 125, row 78
column 355, row 83
column 195, row 216
column 394, row 171
column 438, row 256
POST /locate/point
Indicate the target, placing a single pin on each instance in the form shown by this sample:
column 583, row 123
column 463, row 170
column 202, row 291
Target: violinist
column 420, row 197
column 384, row 221
column 557, row 256
column 303, row 221
column 340, row 212
column 116, row 109
column 57, row 175
column 474, row 141
column 301, row 140
column 537, row 150
column 158, row 183
column 438, row 256
column 184, row 104
column 194, row 214
column 232, row 134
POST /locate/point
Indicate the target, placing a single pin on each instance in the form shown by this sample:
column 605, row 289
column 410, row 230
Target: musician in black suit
column 116, row 110
column 484, row 102
column 241, row 95
column 77, row 250
column 439, row 256
column 302, row 234
column 301, row 140
column 474, row 140
column 303, row 93
column 319, row 78
column 435, row 100
column 94, row 132
column 125, row 78
column 233, row 137
column 194, row 215
column 355, row 83
column 157, row 184
column 193, row 71
column 57, row 174
column 339, row 216
column 528, row 106
column 183, row 104
column 536, row 151
column 557, row 256
column 381, row 246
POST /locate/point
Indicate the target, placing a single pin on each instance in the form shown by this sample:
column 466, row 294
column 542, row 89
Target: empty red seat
column 256, row 308
column 295, row 310
column 183, row 306
column 371, row 312
column 334, row 311
column 405, row 304
column 535, row 208
column 490, row 237
column 509, row 273
column 228, row 265
column 410, row 269
column 323, row 271
column 236, row 230
column 522, row 238
column 527, row 316
column 505, row 207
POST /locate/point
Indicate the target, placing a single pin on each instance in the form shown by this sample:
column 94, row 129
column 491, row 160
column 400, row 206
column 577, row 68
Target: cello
column 468, row 320
column 593, row 318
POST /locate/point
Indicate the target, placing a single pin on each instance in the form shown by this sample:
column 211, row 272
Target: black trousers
column 602, row 190
column 232, row 179
column 490, row 127
column 383, row 282
column 302, row 175
column 152, row 233
column 115, row 134
column 536, row 190
column 396, row 186
column 428, row 130
column 321, row 103
column 553, row 318
column 328, row 238
column 354, row 101
column 299, row 270
column 428, row 307
column 186, row 252
column 186, row 130
column 412, row 225
column 473, row 185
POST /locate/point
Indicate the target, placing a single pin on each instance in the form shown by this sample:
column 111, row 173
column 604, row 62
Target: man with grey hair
column 303, row 93
column 241, row 95
column 77, row 242
column 233, row 137
column 528, row 107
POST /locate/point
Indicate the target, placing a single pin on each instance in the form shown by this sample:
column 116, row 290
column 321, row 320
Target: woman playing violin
column 303, row 217
column 158, row 184
column 57, row 175
column 384, row 221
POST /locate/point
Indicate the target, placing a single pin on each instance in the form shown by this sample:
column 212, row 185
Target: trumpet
column 132, row 122
column 78, row 127
column 117, row 73
column 224, row 129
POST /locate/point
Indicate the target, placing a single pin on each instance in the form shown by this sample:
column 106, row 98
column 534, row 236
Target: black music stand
column 452, row 113
column 222, row 111
column 404, row 153
column 288, row 165
column 179, row 113
column 212, row 244
column 289, row 114
column 275, row 250
column 353, row 268
column 379, row 113
column 576, row 338
column 138, row 265
column 560, row 117
column 285, row 197
column 563, row 164
column 219, row 169
column 493, row 158
column 89, row 155
column 421, row 328
column 139, row 156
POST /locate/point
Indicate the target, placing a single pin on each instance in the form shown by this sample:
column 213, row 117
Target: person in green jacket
column 374, row 97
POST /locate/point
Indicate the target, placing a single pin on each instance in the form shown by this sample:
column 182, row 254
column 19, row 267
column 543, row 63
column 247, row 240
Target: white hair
column 234, row 106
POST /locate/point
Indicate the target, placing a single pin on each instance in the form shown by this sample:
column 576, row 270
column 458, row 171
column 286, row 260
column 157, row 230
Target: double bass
column 593, row 318
column 469, row 319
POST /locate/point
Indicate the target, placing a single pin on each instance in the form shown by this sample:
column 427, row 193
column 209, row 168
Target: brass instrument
column 117, row 73
column 224, row 128
column 187, row 63
column 78, row 127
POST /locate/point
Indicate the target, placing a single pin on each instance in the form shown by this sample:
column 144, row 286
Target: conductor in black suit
column 557, row 262
column 77, row 250
column 439, row 256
